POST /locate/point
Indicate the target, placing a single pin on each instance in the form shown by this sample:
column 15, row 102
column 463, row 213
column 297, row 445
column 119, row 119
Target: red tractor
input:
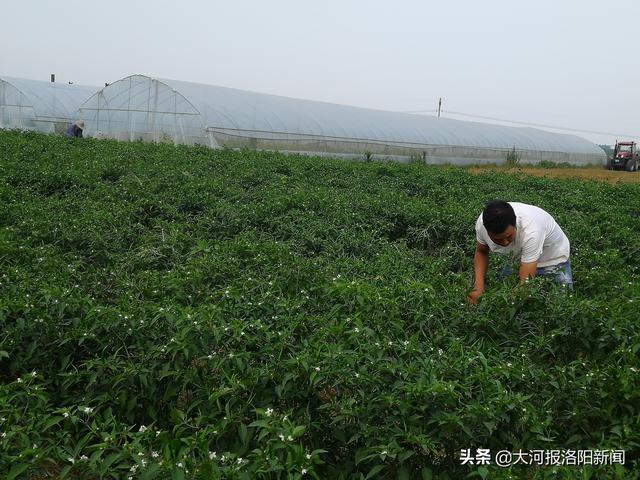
column 625, row 157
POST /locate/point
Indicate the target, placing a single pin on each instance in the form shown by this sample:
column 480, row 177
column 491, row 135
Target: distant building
column 139, row 107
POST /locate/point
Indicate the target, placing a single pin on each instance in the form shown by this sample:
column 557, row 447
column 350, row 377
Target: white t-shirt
column 538, row 237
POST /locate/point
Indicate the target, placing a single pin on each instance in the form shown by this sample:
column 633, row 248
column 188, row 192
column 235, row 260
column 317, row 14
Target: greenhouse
column 144, row 108
column 37, row 105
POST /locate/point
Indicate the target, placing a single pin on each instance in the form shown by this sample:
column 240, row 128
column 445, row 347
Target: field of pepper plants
column 186, row 313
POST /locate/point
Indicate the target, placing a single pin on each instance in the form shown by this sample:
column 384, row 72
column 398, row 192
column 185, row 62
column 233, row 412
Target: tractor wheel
column 632, row 166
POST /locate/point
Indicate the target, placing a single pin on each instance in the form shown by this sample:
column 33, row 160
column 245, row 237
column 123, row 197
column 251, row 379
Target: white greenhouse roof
column 227, row 110
column 146, row 108
column 51, row 100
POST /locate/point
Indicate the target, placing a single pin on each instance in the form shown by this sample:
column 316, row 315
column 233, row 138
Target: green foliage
column 181, row 312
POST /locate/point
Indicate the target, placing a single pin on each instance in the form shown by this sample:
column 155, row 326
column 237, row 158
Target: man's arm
column 528, row 270
column 480, row 265
column 532, row 246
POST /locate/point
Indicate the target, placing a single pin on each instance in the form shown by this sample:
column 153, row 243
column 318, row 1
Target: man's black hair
column 497, row 216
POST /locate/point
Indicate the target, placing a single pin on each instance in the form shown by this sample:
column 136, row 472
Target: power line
column 529, row 124
column 418, row 111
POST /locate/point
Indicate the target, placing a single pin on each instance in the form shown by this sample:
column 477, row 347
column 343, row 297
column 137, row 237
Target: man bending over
column 524, row 231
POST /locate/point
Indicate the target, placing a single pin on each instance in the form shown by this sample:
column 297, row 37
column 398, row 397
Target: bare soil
column 584, row 173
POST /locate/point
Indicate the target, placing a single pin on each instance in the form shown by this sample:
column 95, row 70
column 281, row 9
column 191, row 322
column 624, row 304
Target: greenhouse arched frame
column 38, row 105
column 140, row 107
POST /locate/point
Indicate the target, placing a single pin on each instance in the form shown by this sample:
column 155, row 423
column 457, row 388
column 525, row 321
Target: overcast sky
column 568, row 63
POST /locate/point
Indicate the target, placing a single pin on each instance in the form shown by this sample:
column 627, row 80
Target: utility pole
column 439, row 106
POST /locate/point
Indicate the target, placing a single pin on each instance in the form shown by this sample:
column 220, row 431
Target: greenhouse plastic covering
column 140, row 107
column 40, row 105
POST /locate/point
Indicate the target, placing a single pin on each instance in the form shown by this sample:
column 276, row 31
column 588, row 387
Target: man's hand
column 475, row 294
column 527, row 271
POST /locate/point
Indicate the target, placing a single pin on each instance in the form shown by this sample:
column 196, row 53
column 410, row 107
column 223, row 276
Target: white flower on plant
column 133, row 469
column 308, row 456
column 440, row 352
column 4, row 434
column 19, row 380
column 84, row 458
column 304, row 471
column 269, row 412
column 180, row 464
column 142, row 428
column 280, row 435
column 290, row 438
column 34, row 373
column 72, row 460
column 356, row 330
column 87, row 409
column 212, row 455
column 143, row 462
column 317, row 369
column 155, row 454
column 240, row 460
column 384, row 452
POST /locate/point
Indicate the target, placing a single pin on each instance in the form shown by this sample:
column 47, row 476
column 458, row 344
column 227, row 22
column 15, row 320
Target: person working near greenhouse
column 75, row 129
column 521, row 230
